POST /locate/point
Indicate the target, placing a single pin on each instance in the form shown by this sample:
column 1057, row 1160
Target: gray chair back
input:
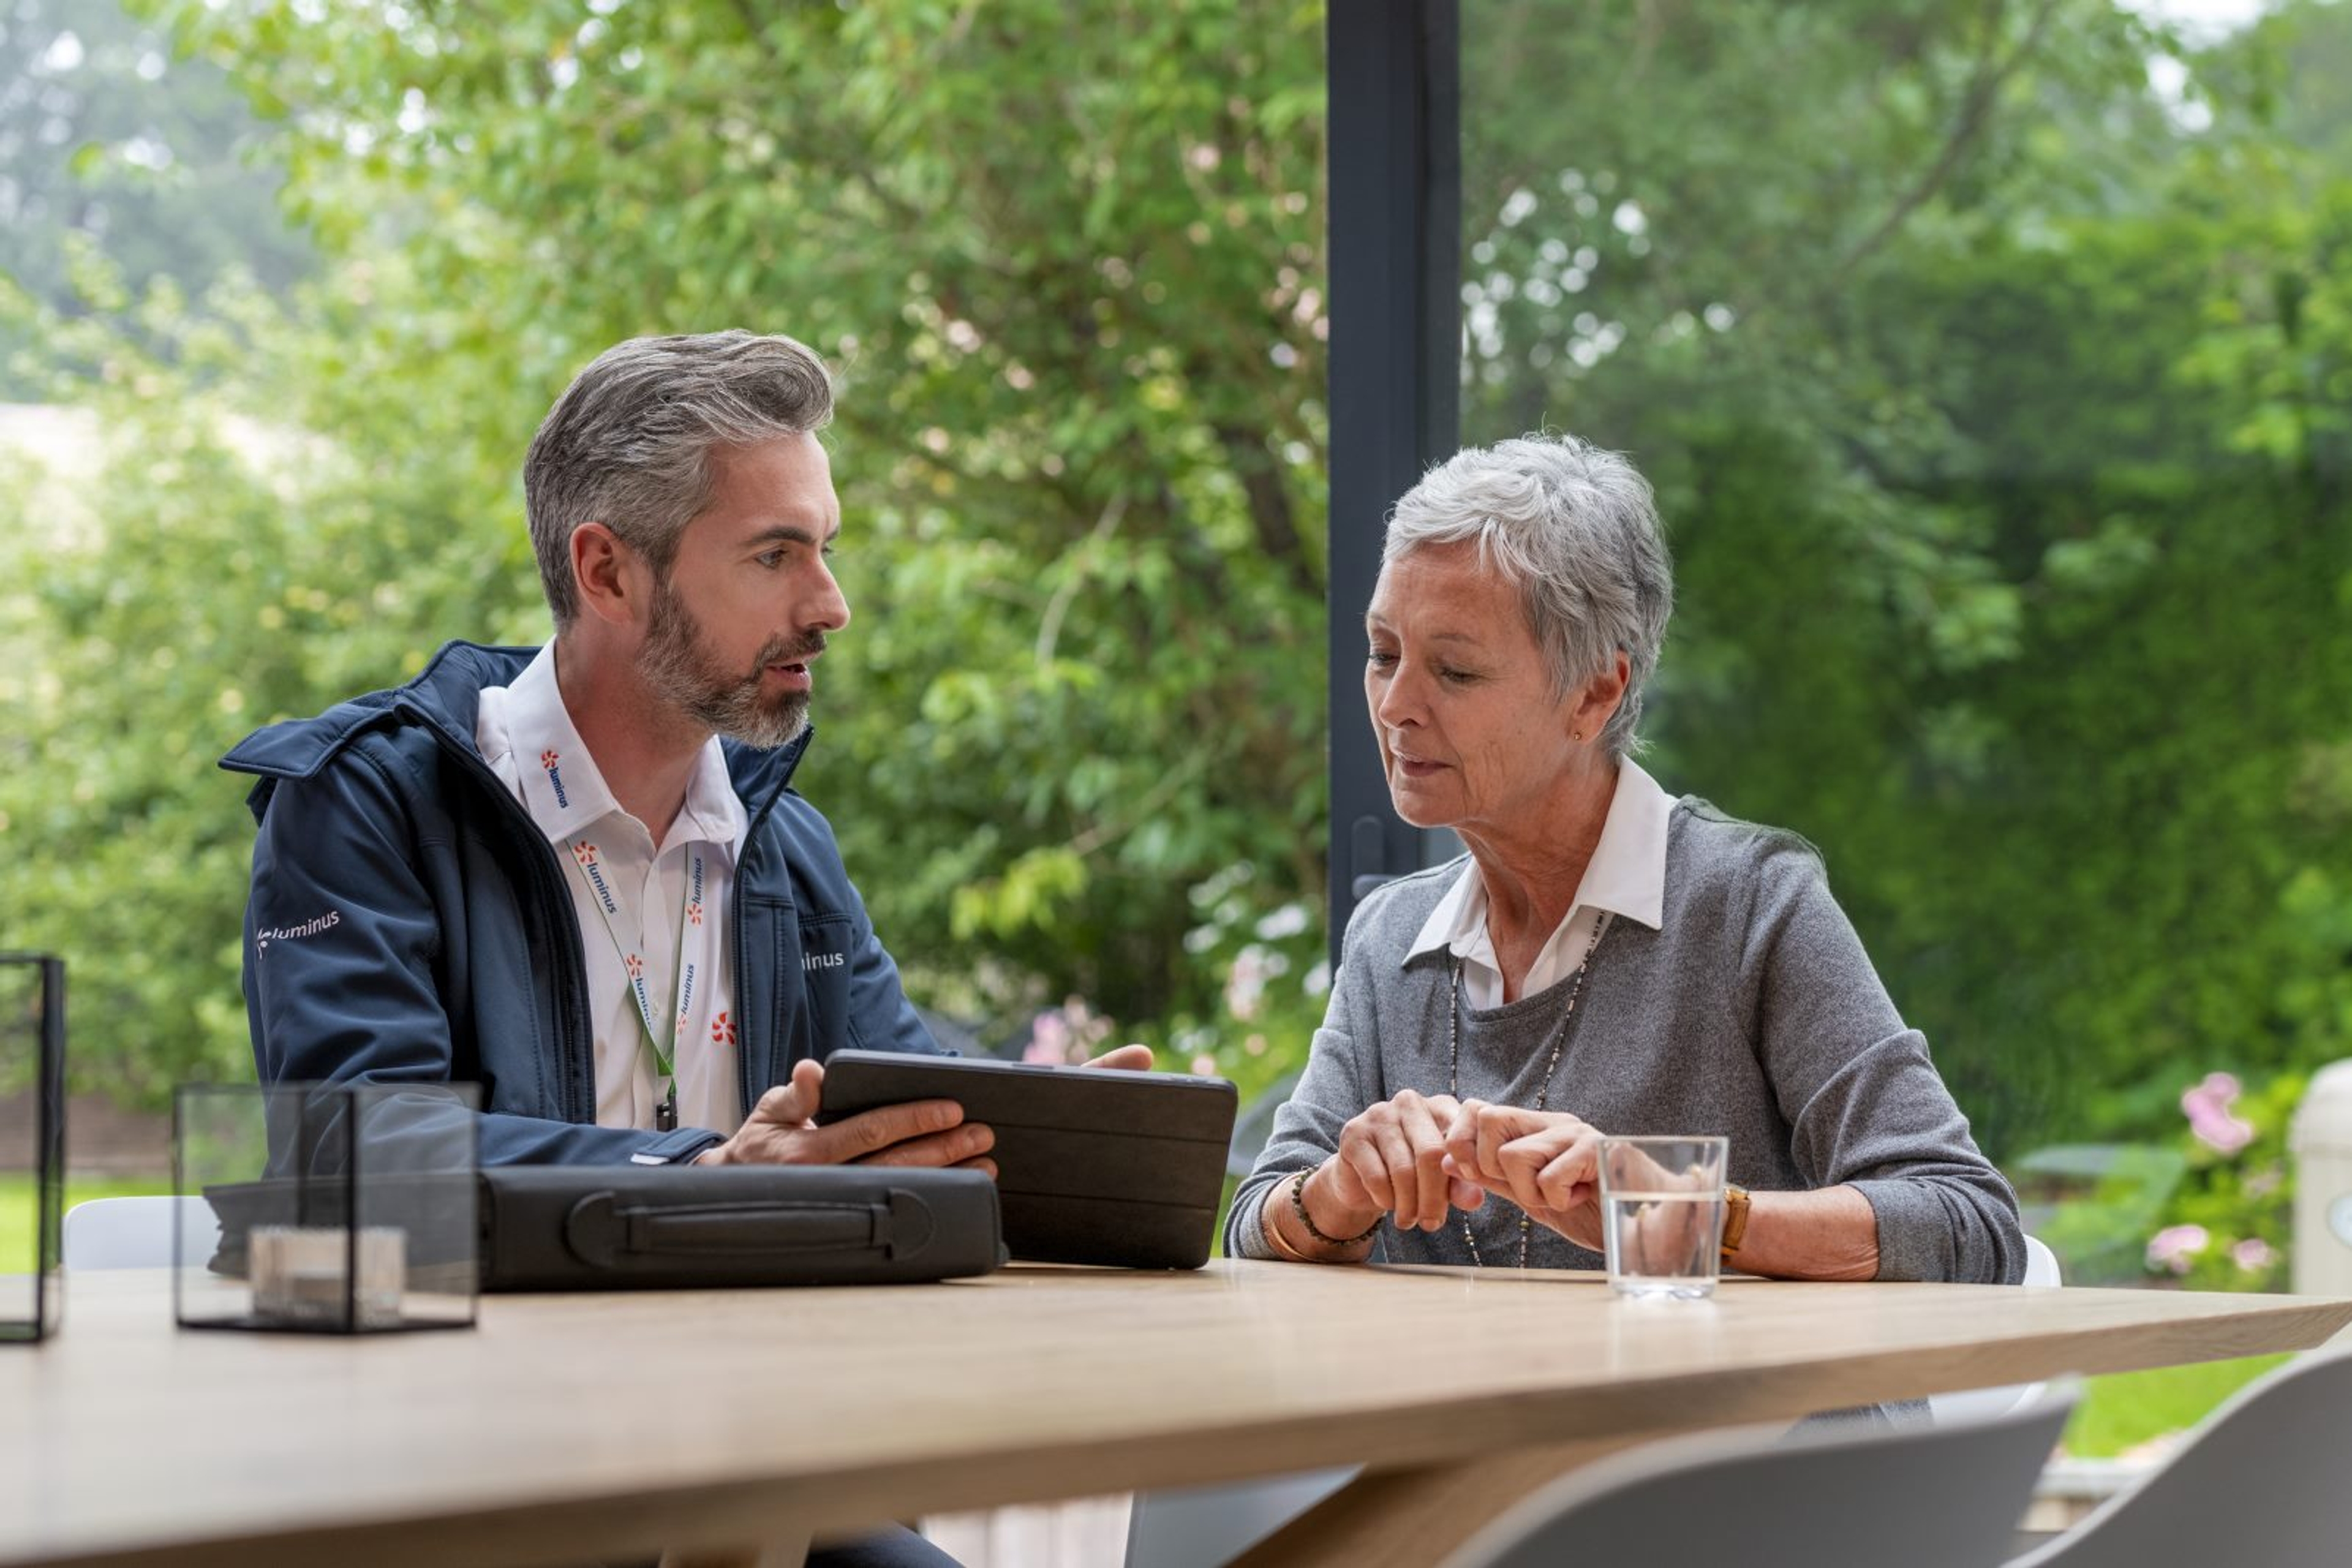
column 2266, row 1482
column 1933, row 1497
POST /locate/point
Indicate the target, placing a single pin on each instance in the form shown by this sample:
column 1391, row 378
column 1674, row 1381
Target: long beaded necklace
column 1543, row 1085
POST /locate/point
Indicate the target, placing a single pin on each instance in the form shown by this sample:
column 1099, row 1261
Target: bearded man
column 575, row 875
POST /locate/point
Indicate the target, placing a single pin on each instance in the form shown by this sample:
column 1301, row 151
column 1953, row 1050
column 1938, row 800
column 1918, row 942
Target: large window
column 1991, row 362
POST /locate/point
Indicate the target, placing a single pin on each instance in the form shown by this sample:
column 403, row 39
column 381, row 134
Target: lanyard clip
column 665, row 1113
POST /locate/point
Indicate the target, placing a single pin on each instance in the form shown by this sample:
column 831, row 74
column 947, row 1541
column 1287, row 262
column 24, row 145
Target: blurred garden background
column 1993, row 362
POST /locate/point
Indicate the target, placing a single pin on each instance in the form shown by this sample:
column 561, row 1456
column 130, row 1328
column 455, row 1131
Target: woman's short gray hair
column 1577, row 530
column 629, row 444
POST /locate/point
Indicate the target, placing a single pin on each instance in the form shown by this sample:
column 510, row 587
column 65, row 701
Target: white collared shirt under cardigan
column 1728, row 994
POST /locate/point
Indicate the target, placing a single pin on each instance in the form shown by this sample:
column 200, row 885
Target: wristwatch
column 1735, row 1217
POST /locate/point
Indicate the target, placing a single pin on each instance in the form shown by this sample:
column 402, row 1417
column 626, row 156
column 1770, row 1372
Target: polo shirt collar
column 565, row 790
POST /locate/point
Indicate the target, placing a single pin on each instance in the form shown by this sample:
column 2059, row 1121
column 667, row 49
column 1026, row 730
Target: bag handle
column 607, row 1232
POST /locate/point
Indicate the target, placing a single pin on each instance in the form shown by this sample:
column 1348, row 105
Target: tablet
column 1092, row 1166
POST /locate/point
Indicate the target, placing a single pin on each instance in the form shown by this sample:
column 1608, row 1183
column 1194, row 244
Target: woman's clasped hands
column 1547, row 1161
column 1417, row 1157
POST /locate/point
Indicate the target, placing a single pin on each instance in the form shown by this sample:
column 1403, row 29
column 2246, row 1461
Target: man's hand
column 1547, row 1161
column 1126, row 1059
column 781, row 1130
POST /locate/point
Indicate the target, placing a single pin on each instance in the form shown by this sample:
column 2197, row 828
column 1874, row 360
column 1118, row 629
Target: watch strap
column 1735, row 1217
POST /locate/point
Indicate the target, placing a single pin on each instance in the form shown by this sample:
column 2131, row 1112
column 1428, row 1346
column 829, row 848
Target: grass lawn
column 2125, row 1410
column 18, row 1201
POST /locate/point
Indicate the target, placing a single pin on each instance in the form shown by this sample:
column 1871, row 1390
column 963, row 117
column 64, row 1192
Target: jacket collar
column 445, row 698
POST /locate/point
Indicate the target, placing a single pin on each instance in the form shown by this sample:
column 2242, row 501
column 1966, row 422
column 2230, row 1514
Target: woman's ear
column 1598, row 702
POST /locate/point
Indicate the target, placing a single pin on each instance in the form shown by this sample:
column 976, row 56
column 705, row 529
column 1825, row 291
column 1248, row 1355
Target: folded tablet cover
column 1102, row 1167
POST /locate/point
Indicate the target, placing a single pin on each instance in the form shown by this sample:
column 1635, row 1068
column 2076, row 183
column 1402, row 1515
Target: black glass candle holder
column 32, row 1142
column 326, row 1208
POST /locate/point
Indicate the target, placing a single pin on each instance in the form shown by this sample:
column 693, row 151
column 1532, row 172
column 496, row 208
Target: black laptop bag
column 618, row 1227
column 611, row 1227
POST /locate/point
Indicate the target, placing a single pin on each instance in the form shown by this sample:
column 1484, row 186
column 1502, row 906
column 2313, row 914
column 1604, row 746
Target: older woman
column 1606, row 959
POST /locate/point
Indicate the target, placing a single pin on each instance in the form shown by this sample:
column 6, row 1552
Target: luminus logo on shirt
column 822, row 960
column 549, row 760
column 585, row 853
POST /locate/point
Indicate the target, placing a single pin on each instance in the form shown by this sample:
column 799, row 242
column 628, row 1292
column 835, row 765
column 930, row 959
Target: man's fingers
column 952, row 1147
column 870, row 1132
column 792, row 1103
column 1126, row 1059
column 980, row 1162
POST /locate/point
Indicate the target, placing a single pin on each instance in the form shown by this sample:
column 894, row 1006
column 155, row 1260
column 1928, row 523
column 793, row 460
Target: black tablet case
column 1125, row 1169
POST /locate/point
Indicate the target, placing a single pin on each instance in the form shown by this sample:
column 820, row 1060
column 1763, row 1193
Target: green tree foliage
column 1995, row 388
column 109, row 144
column 1997, row 406
column 1069, row 275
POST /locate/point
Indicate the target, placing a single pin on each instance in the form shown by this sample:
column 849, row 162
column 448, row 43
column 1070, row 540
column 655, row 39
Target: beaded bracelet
column 1298, row 1206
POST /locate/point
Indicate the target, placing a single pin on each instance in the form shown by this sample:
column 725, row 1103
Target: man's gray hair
column 1576, row 530
column 629, row 444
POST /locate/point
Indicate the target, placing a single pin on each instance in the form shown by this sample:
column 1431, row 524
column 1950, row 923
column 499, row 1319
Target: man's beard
column 674, row 664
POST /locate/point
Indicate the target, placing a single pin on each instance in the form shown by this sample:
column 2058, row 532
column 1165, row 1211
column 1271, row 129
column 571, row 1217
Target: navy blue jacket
column 409, row 923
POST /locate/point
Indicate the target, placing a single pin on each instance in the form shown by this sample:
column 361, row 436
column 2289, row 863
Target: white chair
column 2263, row 1482
column 1977, row 1404
column 136, row 1233
column 1930, row 1496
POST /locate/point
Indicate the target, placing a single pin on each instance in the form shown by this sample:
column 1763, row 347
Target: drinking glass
column 1661, row 1213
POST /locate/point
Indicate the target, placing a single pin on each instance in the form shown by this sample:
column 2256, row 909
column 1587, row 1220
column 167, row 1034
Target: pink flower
column 1204, row 1066
column 2175, row 1245
column 2253, row 1254
column 2210, row 1118
column 1050, row 1038
column 1245, row 982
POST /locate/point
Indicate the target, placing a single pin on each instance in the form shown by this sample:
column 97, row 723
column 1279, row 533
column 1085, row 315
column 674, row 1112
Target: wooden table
column 719, row 1423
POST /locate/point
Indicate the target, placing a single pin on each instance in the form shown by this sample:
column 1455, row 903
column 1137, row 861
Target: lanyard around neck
column 659, row 1042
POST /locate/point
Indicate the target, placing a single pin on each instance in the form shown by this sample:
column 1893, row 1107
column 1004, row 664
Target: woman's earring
column 1576, row 734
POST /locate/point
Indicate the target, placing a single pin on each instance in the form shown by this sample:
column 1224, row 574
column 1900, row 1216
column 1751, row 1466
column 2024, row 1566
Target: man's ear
column 606, row 575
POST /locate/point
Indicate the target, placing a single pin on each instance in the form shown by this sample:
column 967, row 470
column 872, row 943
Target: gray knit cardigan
column 1752, row 1012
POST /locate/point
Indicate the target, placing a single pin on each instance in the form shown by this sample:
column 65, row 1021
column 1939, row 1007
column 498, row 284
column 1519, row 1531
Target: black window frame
column 1394, row 174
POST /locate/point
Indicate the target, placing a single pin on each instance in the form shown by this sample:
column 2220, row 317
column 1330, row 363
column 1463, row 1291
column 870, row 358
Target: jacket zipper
column 751, row 1091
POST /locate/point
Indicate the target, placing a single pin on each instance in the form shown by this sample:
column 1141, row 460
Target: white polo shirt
column 647, row 929
column 1625, row 877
